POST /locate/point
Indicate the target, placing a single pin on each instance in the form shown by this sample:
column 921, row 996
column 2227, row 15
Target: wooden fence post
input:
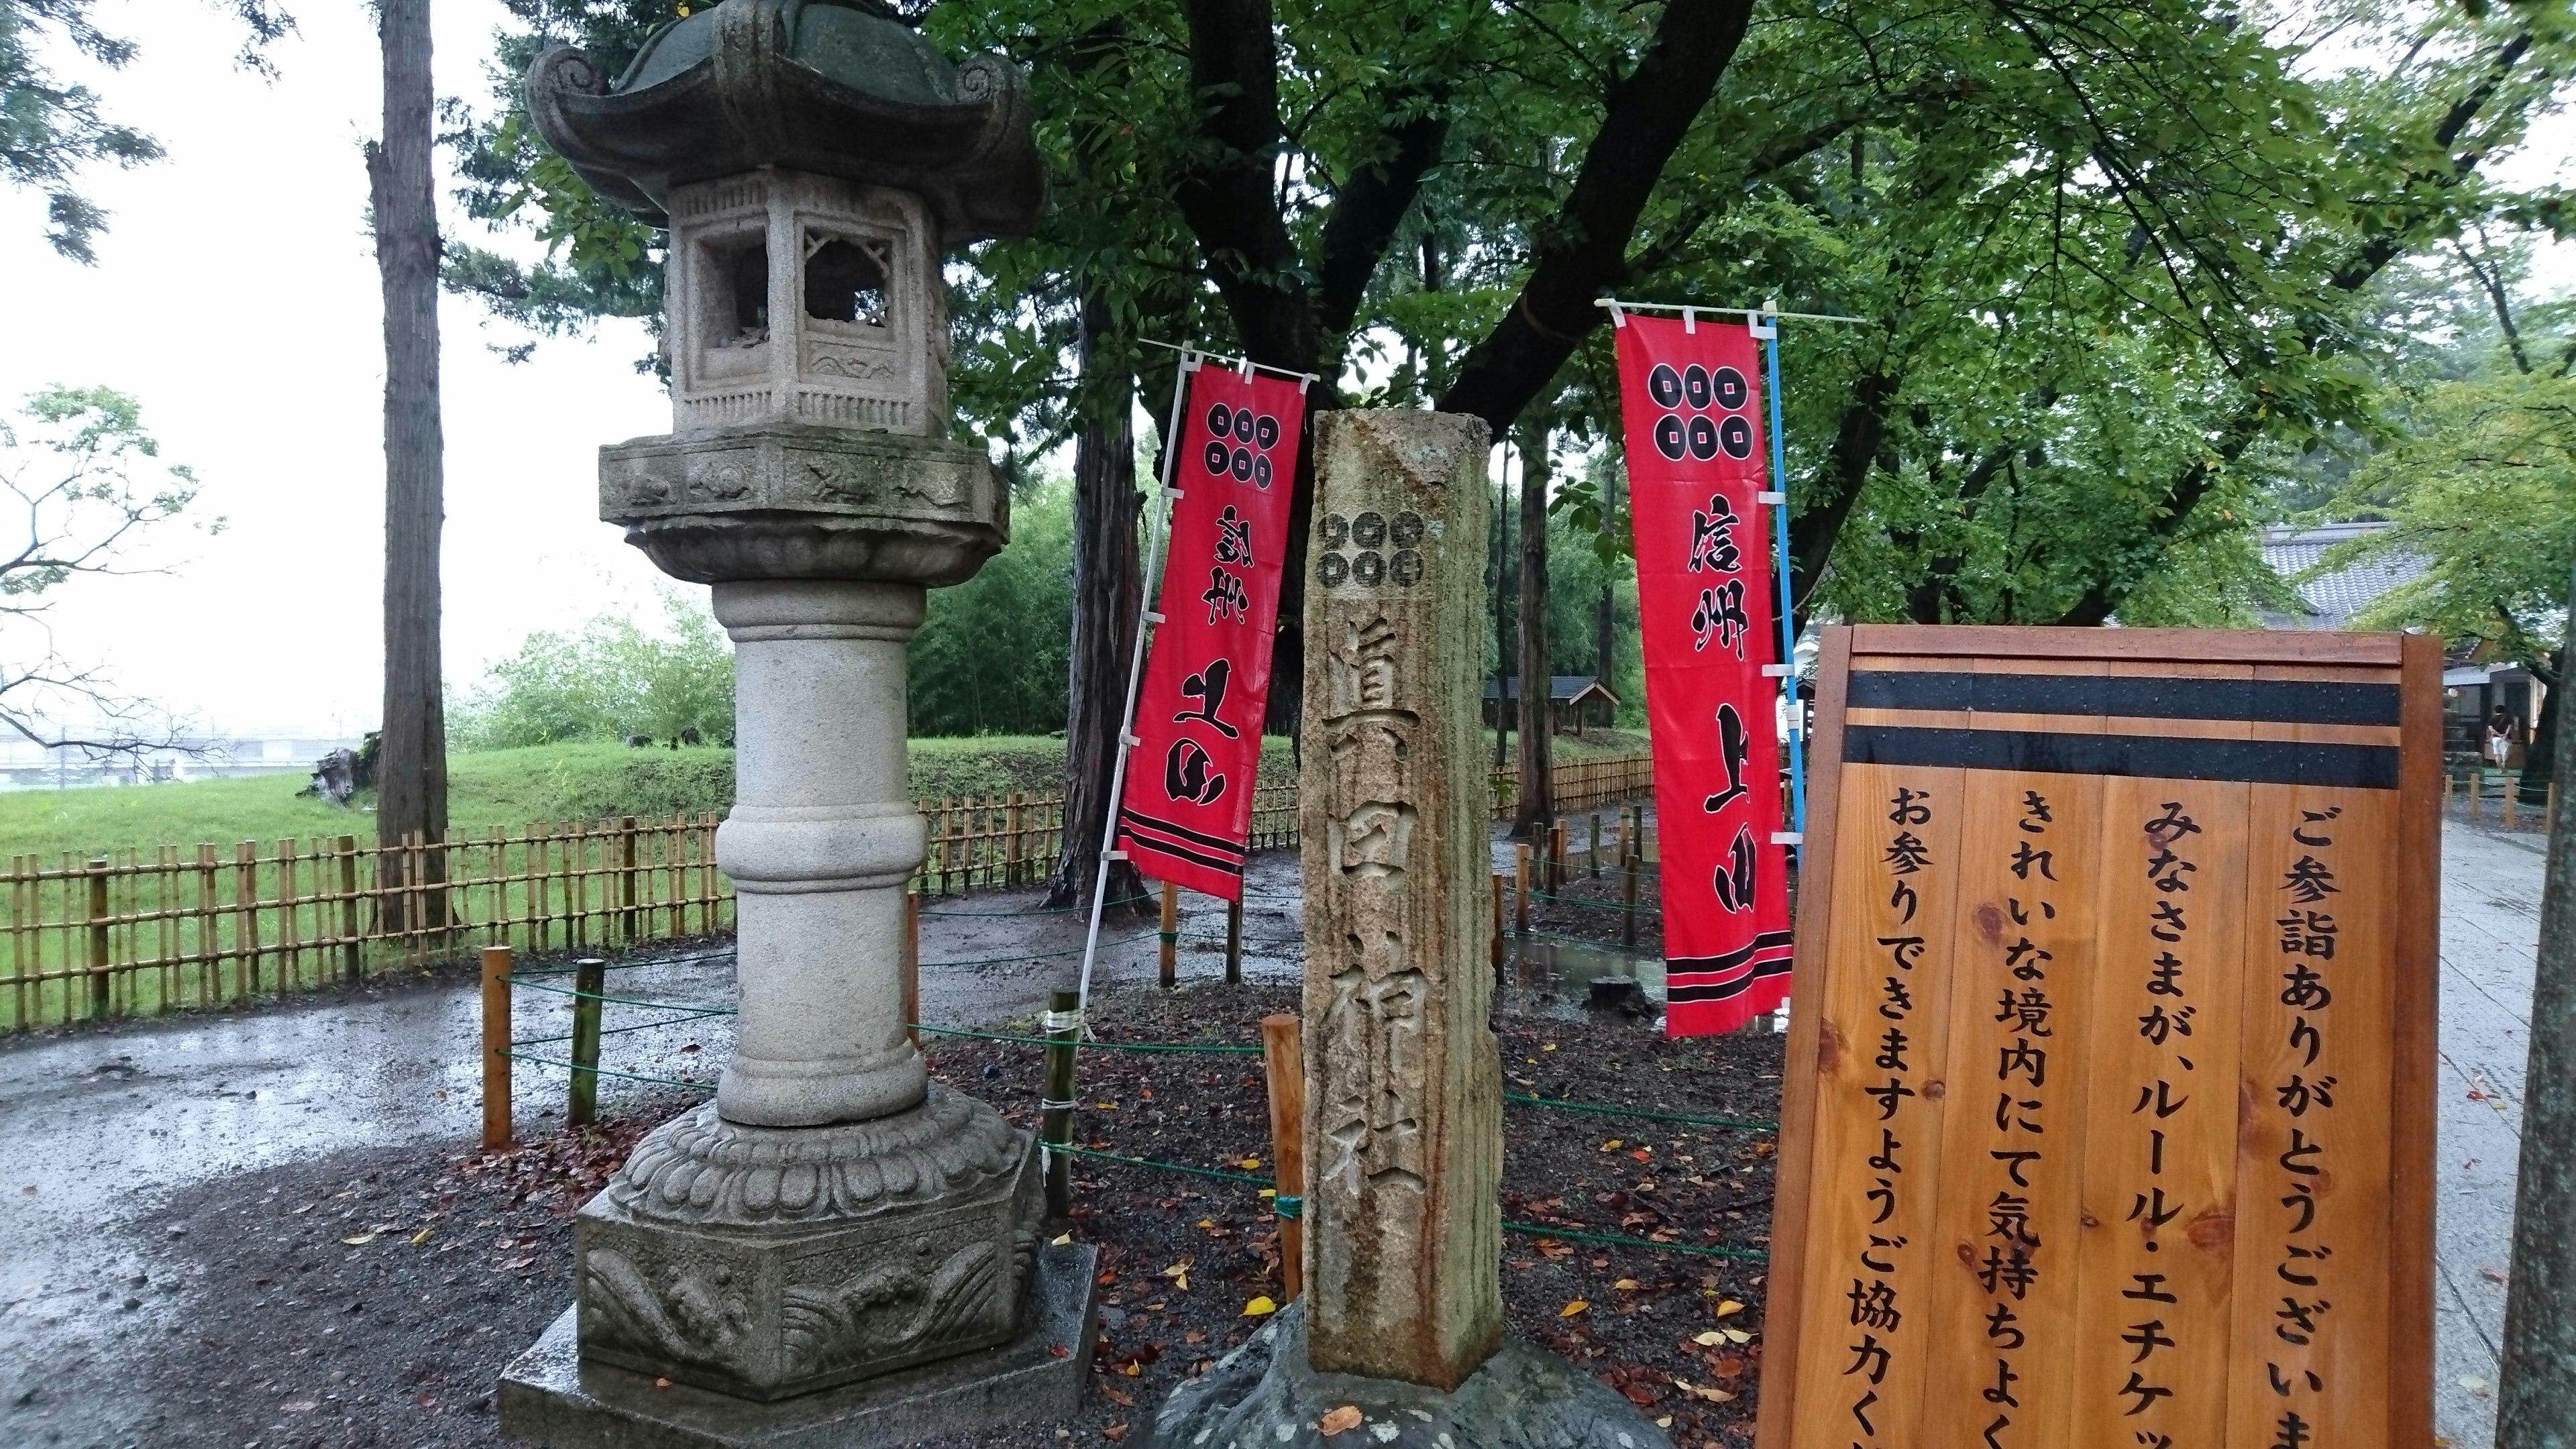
column 1592, row 848
column 1234, row 942
column 496, row 1040
column 1521, row 887
column 912, row 966
column 1171, row 935
column 352, row 958
column 1283, row 1060
column 246, row 914
column 1055, row 1107
column 100, row 996
column 1556, row 857
column 626, row 861
column 589, row 983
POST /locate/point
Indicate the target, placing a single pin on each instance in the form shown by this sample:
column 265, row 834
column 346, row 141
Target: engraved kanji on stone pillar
column 1404, row 1082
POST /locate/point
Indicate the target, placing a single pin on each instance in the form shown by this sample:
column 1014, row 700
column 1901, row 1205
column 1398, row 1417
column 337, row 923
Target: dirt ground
column 372, row 1297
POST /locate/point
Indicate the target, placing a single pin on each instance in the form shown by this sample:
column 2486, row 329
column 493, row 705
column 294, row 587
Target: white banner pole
column 1145, row 615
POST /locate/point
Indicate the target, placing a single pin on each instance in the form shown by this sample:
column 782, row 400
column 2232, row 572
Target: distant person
column 2499, row 735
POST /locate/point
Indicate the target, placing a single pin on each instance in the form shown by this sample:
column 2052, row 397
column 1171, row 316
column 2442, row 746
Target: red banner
column 1186, row 814
column 1692, row 403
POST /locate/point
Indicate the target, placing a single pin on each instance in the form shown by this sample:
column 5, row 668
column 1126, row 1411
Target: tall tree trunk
column 1502, row 591
column 2540, row 758
column 1537, row 797
column 1108, row 591
column 411, row 767
column 2536, row 1402
column 1605, row 620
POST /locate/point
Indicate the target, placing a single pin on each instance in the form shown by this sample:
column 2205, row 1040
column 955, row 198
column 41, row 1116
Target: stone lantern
column 834, row 1246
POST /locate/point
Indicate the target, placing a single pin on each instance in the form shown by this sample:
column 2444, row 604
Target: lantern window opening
column 737, row 301
column 846, row 278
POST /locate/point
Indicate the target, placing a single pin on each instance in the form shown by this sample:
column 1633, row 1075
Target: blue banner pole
column 1780, row 567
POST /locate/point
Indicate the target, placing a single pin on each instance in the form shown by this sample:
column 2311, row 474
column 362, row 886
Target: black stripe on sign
column 1726, row 991
column 2154, row 757
column 1139, row 845
column 1182, row 832
column 2264, row 701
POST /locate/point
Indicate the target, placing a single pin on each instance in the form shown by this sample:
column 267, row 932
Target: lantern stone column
column 820, row 844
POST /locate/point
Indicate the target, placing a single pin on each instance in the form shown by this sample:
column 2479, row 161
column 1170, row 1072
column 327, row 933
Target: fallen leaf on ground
column 1643, row 1154
column 1114, row 1433
column 1252, row 1164
column 1729, row 1308
column 1710, row 1339
column 1573, row 1308
column 1259, row 1307
column 420, row 1237
column 1736, row 1335
column 1613, row 1145
column 1193, row 1336
column 1063, row 1240
column 1626, row 1285
column 515, row 1264
column 1115, row 1397
column 1704, row 1391
column 1345, row 1417
column 1547, row 1046
column 360, row 1241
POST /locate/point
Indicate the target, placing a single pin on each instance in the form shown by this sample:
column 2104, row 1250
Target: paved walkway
column 2490, row 934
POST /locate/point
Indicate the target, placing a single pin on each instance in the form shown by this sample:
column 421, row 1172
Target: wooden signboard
column 2108, row 1119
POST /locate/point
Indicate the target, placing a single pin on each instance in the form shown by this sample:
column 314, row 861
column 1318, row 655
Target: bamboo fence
column 144, row 931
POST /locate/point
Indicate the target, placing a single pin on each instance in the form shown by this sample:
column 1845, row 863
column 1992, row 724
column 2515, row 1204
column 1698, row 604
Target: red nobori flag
column 1186, row 813
column 1692, row 404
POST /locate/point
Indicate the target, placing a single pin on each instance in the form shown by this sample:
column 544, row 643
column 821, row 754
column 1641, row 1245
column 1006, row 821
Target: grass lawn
column 505, row 788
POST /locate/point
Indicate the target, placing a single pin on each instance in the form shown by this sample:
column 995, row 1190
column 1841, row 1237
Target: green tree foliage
column 991, row 657
column 84, row 483
column 610, row 681
column 2113, row 263
column 50, row 130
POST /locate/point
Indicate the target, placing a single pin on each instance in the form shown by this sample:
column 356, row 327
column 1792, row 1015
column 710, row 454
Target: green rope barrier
column 1603, row 1110
column 693, row 1008
column 607, row 1071
column 1208, row 1172
column 1643, row 908
column 1288, row 1206
column 1622, row 1240
column 1115, row 1046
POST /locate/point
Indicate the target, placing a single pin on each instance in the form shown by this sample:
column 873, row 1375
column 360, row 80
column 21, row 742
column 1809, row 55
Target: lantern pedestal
column 554, row 1396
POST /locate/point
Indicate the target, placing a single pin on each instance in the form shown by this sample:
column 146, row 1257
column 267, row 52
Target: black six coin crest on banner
column 1239, row 444
column 1687, row 430
column 1370, row 548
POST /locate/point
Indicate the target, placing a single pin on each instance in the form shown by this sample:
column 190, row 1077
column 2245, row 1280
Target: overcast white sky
column 235, row 294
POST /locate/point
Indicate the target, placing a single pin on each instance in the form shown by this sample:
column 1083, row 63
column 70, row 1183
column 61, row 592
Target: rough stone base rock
column 1265, row 1395
column 550, row 1398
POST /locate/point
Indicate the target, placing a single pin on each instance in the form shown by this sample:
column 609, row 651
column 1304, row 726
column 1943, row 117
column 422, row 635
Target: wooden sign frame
column 2270, row 731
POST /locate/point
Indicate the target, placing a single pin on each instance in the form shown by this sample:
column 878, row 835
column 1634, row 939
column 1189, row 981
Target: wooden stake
column 1556, row 858
column 1521, row 887
column 1283, row 1061
column 589, row 982
column 1171, row 934
column 1627, row 895
column 1498, row 929
column 1234, row 942
column 1055, row 1110
column 2512, row 798
column 496, row 1040
column 912, row 967
column 1592, row 848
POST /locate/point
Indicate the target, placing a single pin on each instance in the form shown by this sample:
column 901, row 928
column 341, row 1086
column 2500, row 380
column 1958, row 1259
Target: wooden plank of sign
column 2125, row 668
column 1875, row 1162
column 1816, row 896
column 2021, row 948
column 2415, row 931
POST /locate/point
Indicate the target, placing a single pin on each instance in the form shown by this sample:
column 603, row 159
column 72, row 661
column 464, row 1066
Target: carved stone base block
column 1267, row 1395
column 549, row 1396
column 764, row 1263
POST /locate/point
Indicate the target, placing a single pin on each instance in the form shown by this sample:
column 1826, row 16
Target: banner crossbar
column 1233, row 364
column 1749, row 314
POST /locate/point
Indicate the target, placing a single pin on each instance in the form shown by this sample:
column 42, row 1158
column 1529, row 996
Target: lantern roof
column 835, row 87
